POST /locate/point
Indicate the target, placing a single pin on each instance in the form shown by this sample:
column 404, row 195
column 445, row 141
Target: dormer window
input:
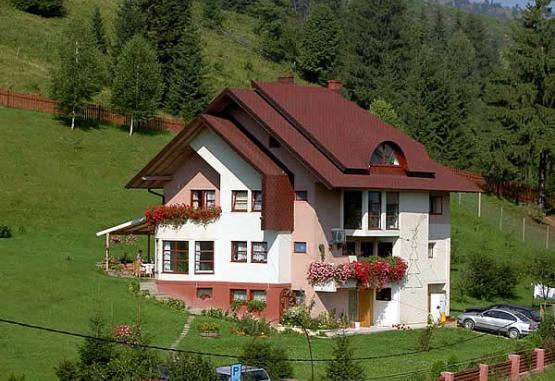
column 385, row 154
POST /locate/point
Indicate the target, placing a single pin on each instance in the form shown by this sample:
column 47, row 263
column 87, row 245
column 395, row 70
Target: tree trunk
column 541, row 179
column 73, row 119
column 131, row 127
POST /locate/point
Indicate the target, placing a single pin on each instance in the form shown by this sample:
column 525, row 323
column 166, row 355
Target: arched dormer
column 387, row 154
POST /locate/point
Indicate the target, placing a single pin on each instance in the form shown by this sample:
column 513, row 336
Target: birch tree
column 137, row 81
column 78, row 75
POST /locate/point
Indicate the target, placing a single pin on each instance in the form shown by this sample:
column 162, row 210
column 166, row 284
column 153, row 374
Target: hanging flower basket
column 176, row 215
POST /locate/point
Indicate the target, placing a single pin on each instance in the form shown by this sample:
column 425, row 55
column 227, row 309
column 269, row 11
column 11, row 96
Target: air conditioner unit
column 337, row 236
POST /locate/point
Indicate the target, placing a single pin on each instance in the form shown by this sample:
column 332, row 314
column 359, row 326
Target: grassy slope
column 27, row 48
column 57, row 188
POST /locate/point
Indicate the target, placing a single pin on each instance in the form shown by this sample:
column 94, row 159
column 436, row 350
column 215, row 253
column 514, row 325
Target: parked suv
column 530, row 313
column 248, row 373
column 502, row 321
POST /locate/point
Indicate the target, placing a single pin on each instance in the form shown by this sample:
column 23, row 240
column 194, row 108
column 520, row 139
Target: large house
column 301, row 175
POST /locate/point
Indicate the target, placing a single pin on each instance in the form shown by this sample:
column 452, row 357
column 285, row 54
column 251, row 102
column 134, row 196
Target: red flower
column 178, row 214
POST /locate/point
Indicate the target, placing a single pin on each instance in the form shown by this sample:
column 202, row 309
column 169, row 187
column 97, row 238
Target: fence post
column 448, row 376
column 515, row 367
column 547, row 237
column 479, row 204
column 523, row 228
column 460, row 196
column 501, row 220
column 484, row 370
column 540, row 360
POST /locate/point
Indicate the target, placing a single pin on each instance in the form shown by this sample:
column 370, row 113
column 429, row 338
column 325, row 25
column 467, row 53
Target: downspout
column 158, row 194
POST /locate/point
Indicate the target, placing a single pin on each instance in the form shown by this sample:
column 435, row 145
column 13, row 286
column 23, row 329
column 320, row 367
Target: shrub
column 545, row 335
column 16, row 377
column 250, row 326
column 342, row 367
column 185, row 367
column 45, row 8
column 209, row 326
column 486, row 278
column 236, row 304
column 262, row 354
column 174, row 304
column 424, row 342
column 5, row 231
column 296, row 317
column 215, row 313
column 256, row 305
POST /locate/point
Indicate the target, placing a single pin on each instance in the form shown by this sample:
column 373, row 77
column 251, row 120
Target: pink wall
column 194, row 174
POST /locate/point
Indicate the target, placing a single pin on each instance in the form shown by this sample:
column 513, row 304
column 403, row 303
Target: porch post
column 107, row 252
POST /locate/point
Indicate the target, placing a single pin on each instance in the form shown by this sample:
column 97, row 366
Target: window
column 238, row 251
column 374, row 210
column 203, row 199
column 273, row 142
column 204, row 257
column 299, row 297
column 301, row 195
column 385, row 249
column 385, row 154
column 299, row 247
column 204, row 293
column 352, row 209
column 436, row 205
column 366, row 248
column 384, row 294
column 431, row 246
column 256, row 201
column 239, row 295
column 259, row 252
column 176, row 257
column 258, row 295
column 392, row 210
column 239, row 201
column 349, row 248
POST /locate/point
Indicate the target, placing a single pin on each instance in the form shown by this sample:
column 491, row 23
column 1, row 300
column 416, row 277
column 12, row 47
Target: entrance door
column 437, row 305
column 365, row 304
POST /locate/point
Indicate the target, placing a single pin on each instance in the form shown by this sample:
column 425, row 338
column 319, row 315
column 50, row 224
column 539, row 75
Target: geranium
column 398, row 270
column 344, row 272
column 320, row 272
column 122, row 331
column 178, row 214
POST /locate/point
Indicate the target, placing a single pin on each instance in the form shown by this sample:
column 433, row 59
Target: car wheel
column 513, row 333
column 468, row 324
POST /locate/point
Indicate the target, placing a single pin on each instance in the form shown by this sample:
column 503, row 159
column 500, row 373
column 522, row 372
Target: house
column 301, row 176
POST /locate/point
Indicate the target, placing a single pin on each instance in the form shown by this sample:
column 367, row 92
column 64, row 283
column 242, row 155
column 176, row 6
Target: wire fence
column 522, row 223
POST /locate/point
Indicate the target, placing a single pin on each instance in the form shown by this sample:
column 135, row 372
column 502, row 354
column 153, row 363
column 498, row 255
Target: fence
column 91, row 112
column 517, row 366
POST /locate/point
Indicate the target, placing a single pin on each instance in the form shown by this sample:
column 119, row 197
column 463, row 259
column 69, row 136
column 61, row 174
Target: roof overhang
column 137, row 226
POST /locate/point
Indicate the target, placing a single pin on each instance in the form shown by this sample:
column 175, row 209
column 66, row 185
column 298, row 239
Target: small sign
column 236, row 372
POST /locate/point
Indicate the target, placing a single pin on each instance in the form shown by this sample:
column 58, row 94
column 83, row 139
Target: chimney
column 335, row 85
column 287, row 78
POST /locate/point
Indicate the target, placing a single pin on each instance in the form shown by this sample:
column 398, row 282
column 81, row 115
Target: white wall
column 235, row 174
column 387, row 314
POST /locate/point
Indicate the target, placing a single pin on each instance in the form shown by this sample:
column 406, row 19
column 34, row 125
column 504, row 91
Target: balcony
column 371, row 213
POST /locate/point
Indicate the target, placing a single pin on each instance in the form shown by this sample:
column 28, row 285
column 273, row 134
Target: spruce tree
column 77, row 77
column 522, row 98
column 128, row 23
column 212, row 12
column 485, row 47
column 319, row 45
column 274, row 29
column 137, row 85
column 375, row 60
column 188, row 92
column 97, row 25
column 343, row 367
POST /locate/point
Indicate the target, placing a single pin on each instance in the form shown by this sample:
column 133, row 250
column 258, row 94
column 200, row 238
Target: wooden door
column 365, row 307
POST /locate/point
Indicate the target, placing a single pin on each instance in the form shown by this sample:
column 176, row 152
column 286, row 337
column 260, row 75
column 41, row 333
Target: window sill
column 204, row 272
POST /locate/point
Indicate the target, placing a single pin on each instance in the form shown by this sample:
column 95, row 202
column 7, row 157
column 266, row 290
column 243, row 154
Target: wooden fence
column 91, row 112
column 517, row 366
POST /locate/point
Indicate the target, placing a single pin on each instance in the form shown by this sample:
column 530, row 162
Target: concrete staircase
column 151, row 288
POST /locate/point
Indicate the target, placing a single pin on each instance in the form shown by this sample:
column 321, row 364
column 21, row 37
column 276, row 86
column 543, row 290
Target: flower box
column 351, row 283
column 329, row 286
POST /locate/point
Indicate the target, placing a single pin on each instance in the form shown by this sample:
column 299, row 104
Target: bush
column 342, row 367
column 545, row 335
column 209, row 326
column 174, row 304
column 185, row 367
column 250, row 326
column 256, row 305
column 300, row 317
column 262, row 354
column 216, row 313
column 45, row 8
column 486, row 278
column 424, row 342
column 5, row 231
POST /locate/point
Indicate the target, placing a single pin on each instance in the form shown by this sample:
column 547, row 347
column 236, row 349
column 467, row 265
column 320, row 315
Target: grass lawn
column 379, row 344
column 548, row 375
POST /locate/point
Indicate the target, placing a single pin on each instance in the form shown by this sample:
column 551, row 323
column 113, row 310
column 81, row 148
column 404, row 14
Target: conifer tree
column 212, row 12
column 188, row 91
column 97, row 25
column 343, row 367
column 137, row 85
column 77, row 77
column 385, row 111
column 522, row 99
column 485, row 47
column 319, row 45
column 274, row 29
column 375, row 60
column 128, row 23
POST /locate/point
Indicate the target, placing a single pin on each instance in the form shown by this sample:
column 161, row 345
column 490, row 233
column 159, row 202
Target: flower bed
column 179, row 214
column 372, row 272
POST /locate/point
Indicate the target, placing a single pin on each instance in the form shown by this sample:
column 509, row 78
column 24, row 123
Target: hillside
column 27, row 48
